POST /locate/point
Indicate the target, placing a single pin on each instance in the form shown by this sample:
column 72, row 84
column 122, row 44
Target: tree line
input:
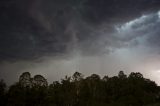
column 75, row 90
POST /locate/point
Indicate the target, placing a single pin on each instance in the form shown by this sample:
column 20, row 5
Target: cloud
column 37, row 28
column 144, row 29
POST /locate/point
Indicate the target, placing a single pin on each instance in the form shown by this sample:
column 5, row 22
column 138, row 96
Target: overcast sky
column 58, row 37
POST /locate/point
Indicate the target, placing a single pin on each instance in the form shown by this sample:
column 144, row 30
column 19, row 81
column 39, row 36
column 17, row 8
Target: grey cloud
column 37, row 28
column 144, row 29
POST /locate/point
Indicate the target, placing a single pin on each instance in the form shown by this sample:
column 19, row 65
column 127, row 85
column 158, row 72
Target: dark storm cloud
column 154, row 34
column 34, row 28
column 145, row 28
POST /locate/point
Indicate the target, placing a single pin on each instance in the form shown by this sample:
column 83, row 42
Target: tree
column 2, row 92
column 25, row 79
column 122, row 75
column 16, row 95
column 136, row 75
column 105, row 78
column 39, row 80
column 77, row 76
column 78, row 91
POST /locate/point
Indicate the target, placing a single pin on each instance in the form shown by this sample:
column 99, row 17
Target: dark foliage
column 121, row 90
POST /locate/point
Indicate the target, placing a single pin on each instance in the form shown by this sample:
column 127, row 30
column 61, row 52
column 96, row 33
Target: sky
column 55, row 38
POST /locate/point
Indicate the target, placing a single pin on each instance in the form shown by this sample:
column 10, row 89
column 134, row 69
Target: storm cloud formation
column 112, row 32
column 33, row 28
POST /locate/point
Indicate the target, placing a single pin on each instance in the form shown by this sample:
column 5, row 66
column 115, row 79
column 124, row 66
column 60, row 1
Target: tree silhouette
column 2, row 92
column 120, row 90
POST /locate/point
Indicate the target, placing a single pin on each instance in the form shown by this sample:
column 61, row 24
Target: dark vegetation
column 121, row 90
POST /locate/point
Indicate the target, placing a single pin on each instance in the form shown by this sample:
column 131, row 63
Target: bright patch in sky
column 130, row 24
column 158, row 71
column 159, row 14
